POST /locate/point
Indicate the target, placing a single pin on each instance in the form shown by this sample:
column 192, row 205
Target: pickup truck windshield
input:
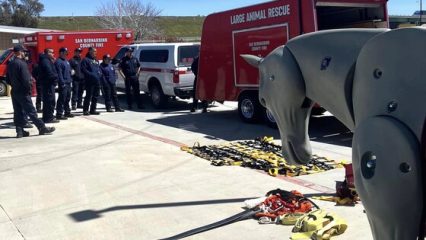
column 187, row 54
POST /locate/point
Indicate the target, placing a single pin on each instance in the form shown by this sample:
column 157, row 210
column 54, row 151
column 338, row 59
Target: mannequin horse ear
column 252, row 60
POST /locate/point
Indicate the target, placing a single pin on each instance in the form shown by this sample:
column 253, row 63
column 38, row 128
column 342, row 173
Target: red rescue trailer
column 224, row 76
column 105, row 41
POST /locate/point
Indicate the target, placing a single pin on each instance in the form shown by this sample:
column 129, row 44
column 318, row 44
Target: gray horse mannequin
column 374, row 82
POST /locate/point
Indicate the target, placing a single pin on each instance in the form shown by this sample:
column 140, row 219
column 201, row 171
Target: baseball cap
column 129, row 49
column 63, row 49
column 18, row 48
column 78, row 50
column 107, row 56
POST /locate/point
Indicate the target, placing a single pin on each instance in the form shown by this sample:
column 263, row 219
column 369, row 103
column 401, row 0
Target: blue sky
column 189, row 7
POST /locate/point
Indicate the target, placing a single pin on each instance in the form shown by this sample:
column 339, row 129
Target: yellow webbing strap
column 338, row 200
column 318, row 225
column 186, row 149
column 290, row 218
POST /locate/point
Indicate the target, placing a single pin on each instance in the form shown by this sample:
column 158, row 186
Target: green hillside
column 172, row 26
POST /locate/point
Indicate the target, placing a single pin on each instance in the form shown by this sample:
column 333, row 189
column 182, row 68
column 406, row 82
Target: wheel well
column 247, row 93
column 153, row 81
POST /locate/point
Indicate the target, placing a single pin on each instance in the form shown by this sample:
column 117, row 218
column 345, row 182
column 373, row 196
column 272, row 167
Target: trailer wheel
column 159, row 100
column 3, row 88
column 269, row 119
column 249, row 108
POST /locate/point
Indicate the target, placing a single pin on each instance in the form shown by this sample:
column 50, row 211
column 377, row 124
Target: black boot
column 20, row 133
column 46, row 130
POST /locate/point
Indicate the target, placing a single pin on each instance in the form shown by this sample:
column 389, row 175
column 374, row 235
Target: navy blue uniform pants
column 48, row 102
column 109, row 92
column 77, row 92
column 194, row 97
column 23, row 105
column 64, row 97
column 92, row 94
column 132, row 86
column 39, row 94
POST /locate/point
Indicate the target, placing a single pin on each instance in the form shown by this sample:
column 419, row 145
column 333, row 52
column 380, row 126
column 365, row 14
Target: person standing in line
column 19, row 76
column 49, row 79
column 194, row 68
column 109, row 91
column 64, row 85
column 27, row 124
column 92, row 77
column 129, row 70
column 77, row 80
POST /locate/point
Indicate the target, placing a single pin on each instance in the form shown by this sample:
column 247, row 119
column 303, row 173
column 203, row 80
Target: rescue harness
column 278, row 206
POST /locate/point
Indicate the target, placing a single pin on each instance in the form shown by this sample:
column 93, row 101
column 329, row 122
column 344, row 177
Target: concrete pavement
column 123, row 176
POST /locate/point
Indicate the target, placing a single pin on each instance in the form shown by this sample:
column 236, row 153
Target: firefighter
column 109, row 91
column 49, row 79
column 64, row 85
column 194, row 68
column 92, row 78
column 129, row 70
column 77, row 80
column 19, row 76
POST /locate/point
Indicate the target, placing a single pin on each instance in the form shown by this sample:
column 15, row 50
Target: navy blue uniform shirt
column 47, row 71
column 90, row 69
column 19, row 76
column 63, row 69
column 75, row 64
column 129, row 66
column 108, row 73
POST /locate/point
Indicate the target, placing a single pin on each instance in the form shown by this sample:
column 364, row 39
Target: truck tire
column 3, row 88
column 249, row 108
column 269, row 119
column 159, row 100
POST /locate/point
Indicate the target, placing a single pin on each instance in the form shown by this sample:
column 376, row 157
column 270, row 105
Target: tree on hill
column 24, row 13
column 130, row 14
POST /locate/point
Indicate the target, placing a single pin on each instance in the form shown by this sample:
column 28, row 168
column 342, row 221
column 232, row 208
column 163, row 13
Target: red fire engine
column 259, row 29
column 105, row 41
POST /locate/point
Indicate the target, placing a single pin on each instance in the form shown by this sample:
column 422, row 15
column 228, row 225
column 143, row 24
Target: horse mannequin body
column 373, row 81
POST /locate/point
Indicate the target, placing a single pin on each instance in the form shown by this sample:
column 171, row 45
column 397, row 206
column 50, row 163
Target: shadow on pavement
column 217, row 125
column 87, row 215
column 7, row 125
column 327, row 129
column 228, row 126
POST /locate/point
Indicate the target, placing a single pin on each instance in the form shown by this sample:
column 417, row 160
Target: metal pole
column 119, row 14
column 420, row 17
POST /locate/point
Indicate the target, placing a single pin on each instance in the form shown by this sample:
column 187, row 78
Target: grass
column 173, row 27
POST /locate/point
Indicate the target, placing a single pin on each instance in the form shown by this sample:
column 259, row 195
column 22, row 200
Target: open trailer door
column 334, row 14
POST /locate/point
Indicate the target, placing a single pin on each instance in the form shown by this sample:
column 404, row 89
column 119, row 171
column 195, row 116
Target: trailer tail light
column 176, row 75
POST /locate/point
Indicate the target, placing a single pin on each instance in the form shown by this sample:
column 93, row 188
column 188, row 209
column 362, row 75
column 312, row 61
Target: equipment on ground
column 279, row 206
column 261, row 154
